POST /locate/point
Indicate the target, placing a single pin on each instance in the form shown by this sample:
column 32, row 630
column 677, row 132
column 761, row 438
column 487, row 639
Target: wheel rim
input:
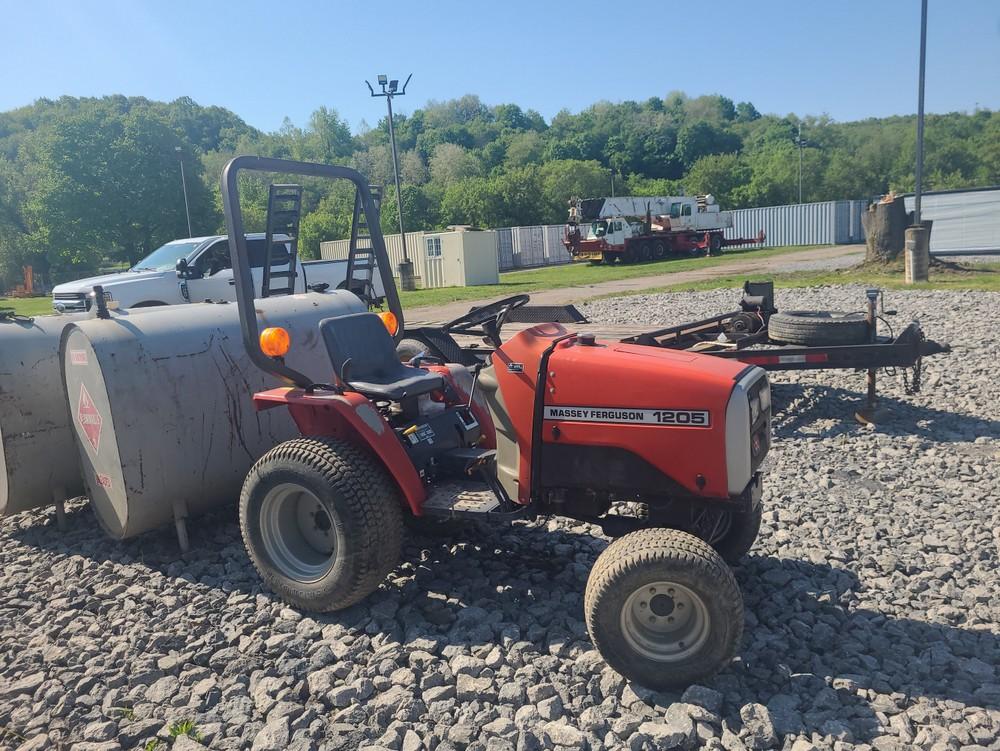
column 665, row 621
column 297, row 532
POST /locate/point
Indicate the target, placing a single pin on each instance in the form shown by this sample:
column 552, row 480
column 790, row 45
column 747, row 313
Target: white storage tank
column 38, row 456
column 161, row 405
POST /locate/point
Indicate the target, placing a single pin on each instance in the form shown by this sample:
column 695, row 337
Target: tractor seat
column 372, row 367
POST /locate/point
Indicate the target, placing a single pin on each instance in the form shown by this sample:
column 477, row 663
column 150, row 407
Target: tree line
column 87, row 182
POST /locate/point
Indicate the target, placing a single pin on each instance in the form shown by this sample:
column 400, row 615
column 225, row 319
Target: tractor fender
column 351, row 417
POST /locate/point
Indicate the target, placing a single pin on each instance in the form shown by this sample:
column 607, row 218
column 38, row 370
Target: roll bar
column 242, row 274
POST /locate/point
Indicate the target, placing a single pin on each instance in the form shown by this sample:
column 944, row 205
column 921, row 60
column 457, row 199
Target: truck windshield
column 166, row 256
column 598, row 229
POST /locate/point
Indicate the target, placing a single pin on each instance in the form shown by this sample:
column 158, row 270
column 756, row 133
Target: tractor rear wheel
column 407, row 349
column 321, row 521
column 663, row 608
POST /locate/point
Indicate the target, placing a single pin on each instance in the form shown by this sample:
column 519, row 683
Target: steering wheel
column 486, row 320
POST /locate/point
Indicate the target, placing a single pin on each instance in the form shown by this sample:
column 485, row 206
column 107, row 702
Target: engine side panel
column 666, row 407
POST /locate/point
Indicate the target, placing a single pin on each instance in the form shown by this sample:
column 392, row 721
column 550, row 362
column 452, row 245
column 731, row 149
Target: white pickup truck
column 194, row 270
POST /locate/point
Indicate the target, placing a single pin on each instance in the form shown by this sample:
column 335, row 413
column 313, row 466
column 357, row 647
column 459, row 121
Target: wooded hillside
column 88, row 181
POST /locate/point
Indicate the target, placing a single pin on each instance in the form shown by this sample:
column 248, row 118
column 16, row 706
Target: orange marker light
column 275, row 341
column 389, row 321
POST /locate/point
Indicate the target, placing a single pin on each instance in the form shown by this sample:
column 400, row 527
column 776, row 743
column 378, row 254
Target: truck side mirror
column 184, row 269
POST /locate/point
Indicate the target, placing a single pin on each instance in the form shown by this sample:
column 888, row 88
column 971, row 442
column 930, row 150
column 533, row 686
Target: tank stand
column 59, row 498
column 180, row 524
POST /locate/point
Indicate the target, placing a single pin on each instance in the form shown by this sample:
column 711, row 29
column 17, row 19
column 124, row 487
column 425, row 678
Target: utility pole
column 391, row 89
column 184, row 187
column 920, row 114
column 917, row 255
column 612, row 182
column 800, row 143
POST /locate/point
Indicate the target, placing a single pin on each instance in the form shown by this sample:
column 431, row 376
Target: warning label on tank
column 103, row 480
column 692, row 418
column 78, row 357
column 89, row 418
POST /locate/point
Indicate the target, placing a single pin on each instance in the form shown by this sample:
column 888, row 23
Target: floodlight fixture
column 390, row 89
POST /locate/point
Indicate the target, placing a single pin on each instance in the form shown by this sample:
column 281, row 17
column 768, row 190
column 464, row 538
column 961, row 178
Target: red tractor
column 660, row 448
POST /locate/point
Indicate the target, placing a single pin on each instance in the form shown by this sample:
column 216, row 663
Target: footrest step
column 468, row 497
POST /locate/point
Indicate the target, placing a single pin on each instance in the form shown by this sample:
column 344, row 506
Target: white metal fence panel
column 801, row 224
column 555, row 251
column 529, row 246
column 963, row 220
column 505, row 248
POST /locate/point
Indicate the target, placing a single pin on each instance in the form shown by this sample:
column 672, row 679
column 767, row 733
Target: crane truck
column 643, row 228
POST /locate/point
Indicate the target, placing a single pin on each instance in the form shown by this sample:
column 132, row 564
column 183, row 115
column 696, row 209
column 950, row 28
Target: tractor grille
column 759, row 396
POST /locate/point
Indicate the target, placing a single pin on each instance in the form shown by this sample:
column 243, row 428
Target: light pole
column 391, row 89
column 920, row 114
column 184, row 187
column 800, row 143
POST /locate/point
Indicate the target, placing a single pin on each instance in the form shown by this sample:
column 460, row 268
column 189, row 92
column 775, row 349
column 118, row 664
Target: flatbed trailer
column 743, row 335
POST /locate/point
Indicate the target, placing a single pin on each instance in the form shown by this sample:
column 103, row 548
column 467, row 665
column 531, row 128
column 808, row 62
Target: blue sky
column 846, row 58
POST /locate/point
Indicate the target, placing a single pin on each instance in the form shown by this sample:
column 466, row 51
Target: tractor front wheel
column 663, row 608
column 321, row 522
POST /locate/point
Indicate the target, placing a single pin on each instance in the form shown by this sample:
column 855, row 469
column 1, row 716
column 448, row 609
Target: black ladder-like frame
column 361, row 256
column 284, row 211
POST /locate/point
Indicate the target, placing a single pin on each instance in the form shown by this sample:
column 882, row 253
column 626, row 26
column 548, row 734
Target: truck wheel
column 609, row 258
column 714, row 244
column 732, row 534
column 628, row 255
column 663, row 608
column 645, row 251
column 818, row 327
column 321, row 522
column 659, row 250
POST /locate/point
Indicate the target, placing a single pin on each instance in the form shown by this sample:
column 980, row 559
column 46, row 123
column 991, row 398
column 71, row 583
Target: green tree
column 565, row 179
column 450, row 163
column 108, row 184
column 722, row 175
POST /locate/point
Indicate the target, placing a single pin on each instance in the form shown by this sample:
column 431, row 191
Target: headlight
column 765, row 397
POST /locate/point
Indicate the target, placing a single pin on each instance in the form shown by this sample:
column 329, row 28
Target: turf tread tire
column 407, row 349
column 818, row 327
column 625, row 558
column 370, row 501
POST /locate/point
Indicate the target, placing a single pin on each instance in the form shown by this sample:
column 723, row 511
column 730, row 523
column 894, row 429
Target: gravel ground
column 872, row 603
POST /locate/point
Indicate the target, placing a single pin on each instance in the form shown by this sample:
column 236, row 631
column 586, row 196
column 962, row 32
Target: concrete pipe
column 161, row 404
